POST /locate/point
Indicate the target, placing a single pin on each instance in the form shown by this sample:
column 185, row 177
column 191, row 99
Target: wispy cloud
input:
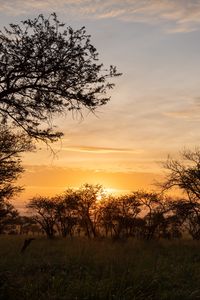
column 102, row 150
column 177, row 15
column 190, row 111
column 183, row 114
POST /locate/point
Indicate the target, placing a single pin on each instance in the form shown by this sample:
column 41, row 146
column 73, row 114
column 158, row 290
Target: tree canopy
column 12, row 145
column 184, row 173
column 46, row 69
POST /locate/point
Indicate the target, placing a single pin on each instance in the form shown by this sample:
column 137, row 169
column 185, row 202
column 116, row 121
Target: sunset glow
column 99, row 149
column 154, row 107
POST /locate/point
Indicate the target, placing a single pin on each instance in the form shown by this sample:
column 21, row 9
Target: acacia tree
column 87, row 198
column 8, row 215
column 66, row 212
column 44, row 213
column 184, row 173
column 153, row 208
column 12, row 145
column 46, row 69
column 185, row 217
column 129, row 210
column 117, row 215
column 108, row 212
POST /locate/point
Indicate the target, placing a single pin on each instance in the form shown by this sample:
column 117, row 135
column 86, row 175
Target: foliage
column 184, row 174
column 46, row 69
column 12, row 145
column 28, row 226
column 45, row 214
column 9, row 216
column 87, row 198
column 88, row 211
column 74, row 207
column 66, row 212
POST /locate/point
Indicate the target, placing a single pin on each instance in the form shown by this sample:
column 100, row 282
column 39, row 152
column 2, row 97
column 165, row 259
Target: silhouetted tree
column 28, row 226
column 66, row 212
column 87, row 198
column 12, row 145
column 140, row 215
column 108, row 213
column 184, row 174
column 44, row 213
column 8, row 216
column 187, row 214
column 47, row 69
column 175, row 217
column 117, row 216
column 153, row 210
column 129, row 206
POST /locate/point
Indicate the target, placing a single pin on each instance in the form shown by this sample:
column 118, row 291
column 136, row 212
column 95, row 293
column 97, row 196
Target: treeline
column 89, row 211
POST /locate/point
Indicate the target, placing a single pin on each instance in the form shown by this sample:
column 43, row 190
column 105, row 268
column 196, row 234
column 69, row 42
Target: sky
column 154, row 107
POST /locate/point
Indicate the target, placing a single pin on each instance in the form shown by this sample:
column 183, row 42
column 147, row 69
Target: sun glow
column 106, row 192
column 110, row 191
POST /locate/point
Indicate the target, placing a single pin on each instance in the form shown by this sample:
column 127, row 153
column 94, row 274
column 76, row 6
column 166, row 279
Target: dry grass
column 81, row 269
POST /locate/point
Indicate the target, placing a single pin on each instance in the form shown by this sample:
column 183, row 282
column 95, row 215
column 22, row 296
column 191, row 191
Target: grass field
column 81, row 269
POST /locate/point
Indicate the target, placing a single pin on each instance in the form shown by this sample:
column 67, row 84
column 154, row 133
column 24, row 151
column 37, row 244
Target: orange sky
column 52, row 180
column 71, row 165
column 154, row 109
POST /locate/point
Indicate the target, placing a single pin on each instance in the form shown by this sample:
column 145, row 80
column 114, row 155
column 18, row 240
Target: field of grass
column 81, row 269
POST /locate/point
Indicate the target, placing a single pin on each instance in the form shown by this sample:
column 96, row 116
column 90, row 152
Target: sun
column 105, row 193
column 109, row 191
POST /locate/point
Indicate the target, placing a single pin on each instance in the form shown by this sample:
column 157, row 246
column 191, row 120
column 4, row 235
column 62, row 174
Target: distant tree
column 187, row 217
column 87, row 204
column 117, row 216
column 153, row 208
column 66, row 212
column 44, row 213
column 28, row 226
column 8, row 216
column 130, row 207
column 47, row 69
column 108, row 213
column 184, row 173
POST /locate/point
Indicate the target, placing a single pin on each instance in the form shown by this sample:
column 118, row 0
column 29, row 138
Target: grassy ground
column 65, row 269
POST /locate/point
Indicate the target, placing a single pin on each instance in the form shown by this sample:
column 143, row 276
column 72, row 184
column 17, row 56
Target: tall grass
column 82, row 269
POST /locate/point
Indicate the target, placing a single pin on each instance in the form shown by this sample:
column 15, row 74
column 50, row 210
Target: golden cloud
column 92, row 149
